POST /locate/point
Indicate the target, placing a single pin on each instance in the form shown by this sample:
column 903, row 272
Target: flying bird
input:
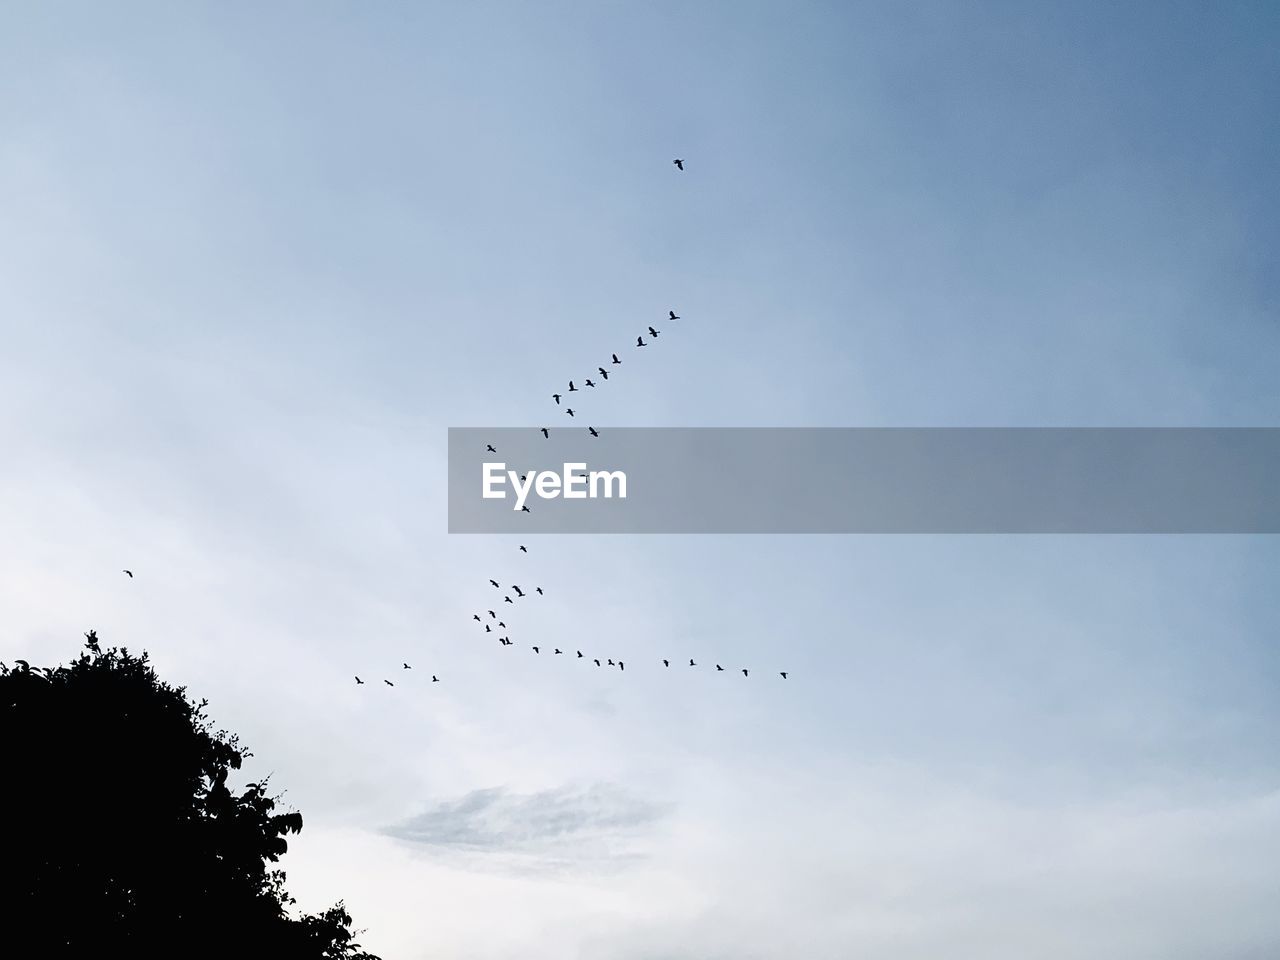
column 539, row 589
column 508, row 600
column 359, row 681
column 589, row 383
column 476, row 617
column 516, row 588
column 489, row 447
column 129, row 572
column 406, row 666
column 615, row 358
column 692, row 664
column 671, row 315
column 603, row 372
column 388, row 683
column 434, row 678
column 640, row 342
column 783, row 674
column 502, row 625
column 593, row 431
column 523, row 548
column 569, row 411
column 621, row 665
column 718, row 667
column 525, row 510
column 572, row 388
column 679, row 163
column 555, row 397
column 654, row 333
column 579, row 652
column 611, row 663
column 494, row 582
column 491, row 613
column 666, row 663
column 597, row 663
column 545, row 433
column 744, row 671
column 536, row 650
column 558, row 650
column 488, row 629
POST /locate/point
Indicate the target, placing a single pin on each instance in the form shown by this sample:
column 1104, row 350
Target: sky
column 255, row 260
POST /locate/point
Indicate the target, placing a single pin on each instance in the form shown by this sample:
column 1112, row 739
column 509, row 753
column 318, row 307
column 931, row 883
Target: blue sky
column 254, row 262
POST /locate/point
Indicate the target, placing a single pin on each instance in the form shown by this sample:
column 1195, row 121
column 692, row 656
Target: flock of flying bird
column 493, row 619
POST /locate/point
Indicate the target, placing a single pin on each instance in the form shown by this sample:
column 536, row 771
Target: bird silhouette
column 744, row 671
column 572, row 388
column 489, row 448
column 558, row 650
column 129, row 572
column 589, row 383
column 388, row 683
column 615, row 358
column 556, row 397
column 679, row 163
column 516, row 588
column 494, row 582
column 666, row 663
column 523, row 548
column 569, row 411
column 434, row 678
column 783, row 674
column 476, row 617
column 359, row 681
column 592, row 431
column 603, row 372
column 539, row 589
column 640, row 342
column 611, row 663
column 671, row 315
column 597, row 663
column 492, row 614
column 545, row 433
column 525, row 510
column 621, row 665
column 506, row 641
column 579, row 652
column 536, row 650
column 692, row 664
column 488, row 629
column 654, row 333
column 502, row 625
column 507, row 600
column 406, row 666
column 718, row 667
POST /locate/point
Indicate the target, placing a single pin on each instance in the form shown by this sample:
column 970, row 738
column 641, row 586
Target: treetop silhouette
column 122, row 832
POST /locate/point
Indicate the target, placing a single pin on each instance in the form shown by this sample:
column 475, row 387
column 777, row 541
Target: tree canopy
column 122, row 833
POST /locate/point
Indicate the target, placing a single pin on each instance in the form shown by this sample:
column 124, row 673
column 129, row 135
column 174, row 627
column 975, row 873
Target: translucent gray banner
column 865, row 480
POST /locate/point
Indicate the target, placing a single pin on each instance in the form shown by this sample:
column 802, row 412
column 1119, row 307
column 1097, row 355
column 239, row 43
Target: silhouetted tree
column 121, row 835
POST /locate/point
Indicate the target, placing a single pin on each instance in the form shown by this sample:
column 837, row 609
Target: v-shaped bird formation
column 562, row 400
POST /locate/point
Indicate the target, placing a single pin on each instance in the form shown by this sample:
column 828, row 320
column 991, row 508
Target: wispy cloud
column 572, row 825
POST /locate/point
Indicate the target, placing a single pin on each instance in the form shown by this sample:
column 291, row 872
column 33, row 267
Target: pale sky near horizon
column 256, row 259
